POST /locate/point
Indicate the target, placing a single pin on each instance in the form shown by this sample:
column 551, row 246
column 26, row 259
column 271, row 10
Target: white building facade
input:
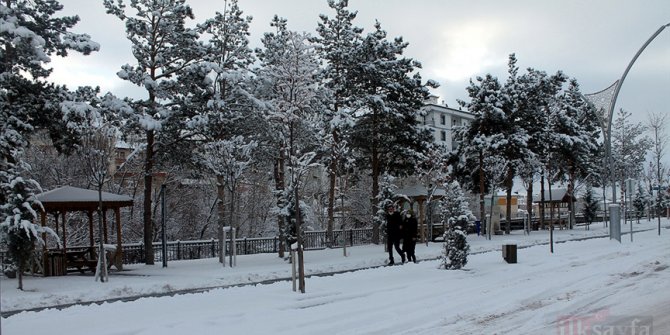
column 441, row 120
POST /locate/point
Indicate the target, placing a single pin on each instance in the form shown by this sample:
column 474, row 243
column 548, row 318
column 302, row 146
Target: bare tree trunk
column 298, row 229
column 101, row 269
column 657, row 124
column 279, row 187
column 209, row 216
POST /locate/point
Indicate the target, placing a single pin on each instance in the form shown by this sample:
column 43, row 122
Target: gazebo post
column 64, row 232
column 118, row 256
column 45, row 254
column 91, row 241
column 64, row 242
column 43, row 222
column 104, row 223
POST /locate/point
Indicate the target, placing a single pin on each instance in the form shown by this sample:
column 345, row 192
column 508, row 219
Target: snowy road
column 594, row 280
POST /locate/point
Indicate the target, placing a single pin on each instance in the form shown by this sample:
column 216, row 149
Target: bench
column 79, row 260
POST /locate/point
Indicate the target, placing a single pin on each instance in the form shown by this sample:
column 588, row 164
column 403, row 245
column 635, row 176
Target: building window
column 443, row 136
column 443, row 119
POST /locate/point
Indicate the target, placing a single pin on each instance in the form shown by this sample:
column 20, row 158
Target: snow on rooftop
column 75, row 194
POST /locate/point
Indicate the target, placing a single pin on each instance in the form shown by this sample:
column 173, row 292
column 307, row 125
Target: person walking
column 410, row 227
column 394, row 233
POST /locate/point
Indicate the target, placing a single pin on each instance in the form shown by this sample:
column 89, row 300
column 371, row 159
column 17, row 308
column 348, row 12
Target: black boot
column 402, row 255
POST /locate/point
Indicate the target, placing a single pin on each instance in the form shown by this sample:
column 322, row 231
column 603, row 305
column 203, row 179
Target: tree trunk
column 489, row 227
column 659, row 180
column 221, row 209
column 298, row 230
column 551, row 219
column 509, row 182
column 231, row 218
column 529, row 202
column 622, row 191
column 482, row 190
column 147, row 217
column 19, row 271
column 332, row 174
column 375, row 193
column 101, row 271
column 279, row 188
column 571, row 193
column 542, row 204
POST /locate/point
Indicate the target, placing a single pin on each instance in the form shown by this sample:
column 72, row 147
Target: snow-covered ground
column 590, row 281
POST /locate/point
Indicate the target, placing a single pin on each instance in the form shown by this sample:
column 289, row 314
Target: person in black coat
column 409, row 240
column 394, row 233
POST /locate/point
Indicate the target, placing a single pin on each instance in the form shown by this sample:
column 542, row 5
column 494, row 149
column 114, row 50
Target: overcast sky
column 592, row 41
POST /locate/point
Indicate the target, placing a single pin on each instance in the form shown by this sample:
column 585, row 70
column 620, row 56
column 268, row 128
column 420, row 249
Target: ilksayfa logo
column 601, row 323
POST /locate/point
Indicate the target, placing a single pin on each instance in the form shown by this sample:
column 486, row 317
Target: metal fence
column 133, row 253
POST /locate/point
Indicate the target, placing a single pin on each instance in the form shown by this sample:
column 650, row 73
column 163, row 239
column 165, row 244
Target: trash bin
column 509, row 253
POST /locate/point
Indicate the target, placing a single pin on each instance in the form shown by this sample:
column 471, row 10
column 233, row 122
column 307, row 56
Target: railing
column 518, row 223
column 133, row 253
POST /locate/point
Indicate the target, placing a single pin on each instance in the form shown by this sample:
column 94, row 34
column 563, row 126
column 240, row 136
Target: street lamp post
column 606, row 119
column 616, row 94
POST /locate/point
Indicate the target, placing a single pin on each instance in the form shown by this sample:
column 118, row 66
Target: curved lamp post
column 607, row 123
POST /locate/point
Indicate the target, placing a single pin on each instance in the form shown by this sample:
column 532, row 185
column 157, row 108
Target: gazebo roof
column 68, row 198
column 419, row 192
column 557, row 195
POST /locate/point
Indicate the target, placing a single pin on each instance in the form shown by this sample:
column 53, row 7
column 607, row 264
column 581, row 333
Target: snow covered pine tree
column 456, row 249
column 31, row 33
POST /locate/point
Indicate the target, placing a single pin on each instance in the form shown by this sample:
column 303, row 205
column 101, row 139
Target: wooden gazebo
column 558, row 200
column 419, row 194
column 67, row 199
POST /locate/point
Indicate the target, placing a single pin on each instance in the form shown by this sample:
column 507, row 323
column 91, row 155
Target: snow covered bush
column 455, row 217
column 18, row 234
column 456, row 249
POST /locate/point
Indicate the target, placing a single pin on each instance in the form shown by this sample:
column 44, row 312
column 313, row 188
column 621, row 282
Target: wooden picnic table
column 81, row 259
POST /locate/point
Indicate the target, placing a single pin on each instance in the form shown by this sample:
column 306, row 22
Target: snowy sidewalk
column 595, row 282
column 146, row 280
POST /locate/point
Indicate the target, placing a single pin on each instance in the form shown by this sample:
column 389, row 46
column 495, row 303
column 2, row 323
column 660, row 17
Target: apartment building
column 442, row 120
